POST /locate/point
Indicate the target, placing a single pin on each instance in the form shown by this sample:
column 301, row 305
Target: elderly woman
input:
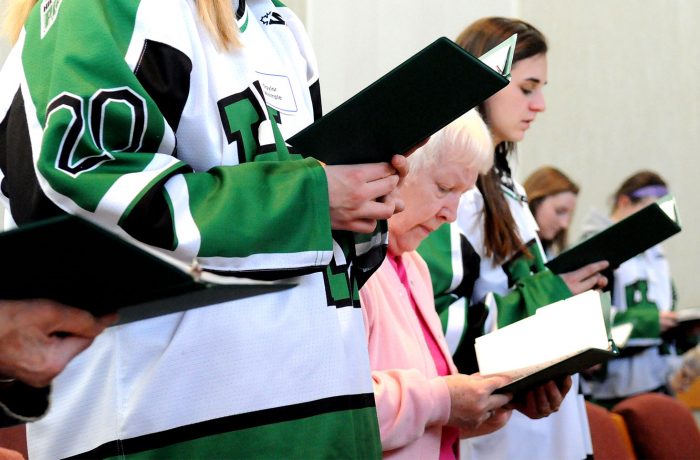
column 422, row 402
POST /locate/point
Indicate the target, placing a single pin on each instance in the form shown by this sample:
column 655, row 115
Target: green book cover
column 399, row 110
column 625, row 239
column 81, row 264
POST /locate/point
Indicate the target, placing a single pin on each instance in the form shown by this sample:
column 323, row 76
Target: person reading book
column 552, row 196
column 643, row 295
column 488, row 267
column 166, row 122
column 423, row 403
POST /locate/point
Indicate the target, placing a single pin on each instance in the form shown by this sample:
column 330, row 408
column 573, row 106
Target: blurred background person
column 643, row 294
column 551, row 195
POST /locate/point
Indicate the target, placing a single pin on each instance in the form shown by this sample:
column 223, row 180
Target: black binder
column 402, row 108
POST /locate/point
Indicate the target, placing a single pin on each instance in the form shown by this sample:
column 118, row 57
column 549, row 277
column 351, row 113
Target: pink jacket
column 413, row 403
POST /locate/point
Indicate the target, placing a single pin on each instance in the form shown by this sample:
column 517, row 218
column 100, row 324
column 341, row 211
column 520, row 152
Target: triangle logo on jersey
column 49, row 12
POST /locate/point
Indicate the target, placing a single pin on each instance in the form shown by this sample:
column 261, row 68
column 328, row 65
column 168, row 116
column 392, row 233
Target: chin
column 517, row 136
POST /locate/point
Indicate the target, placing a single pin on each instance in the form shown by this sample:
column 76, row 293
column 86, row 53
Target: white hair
column 466, row 141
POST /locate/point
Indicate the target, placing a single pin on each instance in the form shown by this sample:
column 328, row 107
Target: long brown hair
column 500, row 232
column 547, row 181
column 217, row 15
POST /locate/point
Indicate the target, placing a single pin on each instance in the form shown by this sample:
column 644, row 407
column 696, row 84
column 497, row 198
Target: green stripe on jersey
column 280, row 198
column 333, row 435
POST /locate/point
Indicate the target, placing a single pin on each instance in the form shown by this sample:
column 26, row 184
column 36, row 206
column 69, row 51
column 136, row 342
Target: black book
column 80, row 264
column 625, row 239
column 411, row 102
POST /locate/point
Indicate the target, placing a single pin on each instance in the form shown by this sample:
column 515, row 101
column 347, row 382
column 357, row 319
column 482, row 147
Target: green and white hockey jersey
column 641, row 288
column 127, row 113
column 474, row 295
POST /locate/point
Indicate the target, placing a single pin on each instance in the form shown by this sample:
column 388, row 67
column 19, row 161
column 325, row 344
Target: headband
column 650, row 190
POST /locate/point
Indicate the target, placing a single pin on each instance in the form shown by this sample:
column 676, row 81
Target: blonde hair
column 219, row 18
column 217, row 15
column 467, row 136
column 17, row 13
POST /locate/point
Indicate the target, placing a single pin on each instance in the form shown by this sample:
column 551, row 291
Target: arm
column 102, row 133
column 407, row 404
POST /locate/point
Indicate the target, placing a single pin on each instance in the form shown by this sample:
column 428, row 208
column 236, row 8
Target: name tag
column 278, row 92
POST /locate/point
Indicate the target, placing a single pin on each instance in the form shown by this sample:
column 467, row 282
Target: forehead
column 566, row 198
column 531, row 68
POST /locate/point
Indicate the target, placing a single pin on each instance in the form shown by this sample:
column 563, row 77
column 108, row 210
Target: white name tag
column 278, row 92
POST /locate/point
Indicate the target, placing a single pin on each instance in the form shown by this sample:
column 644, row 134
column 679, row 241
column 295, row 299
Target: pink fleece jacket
column 413, row 403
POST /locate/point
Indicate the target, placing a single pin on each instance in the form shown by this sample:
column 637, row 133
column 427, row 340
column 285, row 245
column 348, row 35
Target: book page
column 556, row 331
column 688, row 314
column 500, row 57
column 668, row 206
column 621, row 333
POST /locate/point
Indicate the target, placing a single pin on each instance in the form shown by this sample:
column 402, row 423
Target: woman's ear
column 623, row 202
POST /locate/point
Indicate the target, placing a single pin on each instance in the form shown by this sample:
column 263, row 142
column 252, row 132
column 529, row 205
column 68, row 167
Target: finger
column 66, row 349
column 542, row 400
column 394, row 200
column 56, row 355
column 591, row 269
column 368, row 172
column 553, row 395
column 400, row 164
column 602, row 281
column 374, row 210
column 108, row 320
column 381, row 187
column 74, row 321
column 496, row 381
column 565, row 385
column 588, row 283
column 496, row 401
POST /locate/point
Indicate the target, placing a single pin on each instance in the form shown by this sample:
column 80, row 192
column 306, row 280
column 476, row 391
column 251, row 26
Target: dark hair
column 500, row 233
column 547, row 181
column 635, row 182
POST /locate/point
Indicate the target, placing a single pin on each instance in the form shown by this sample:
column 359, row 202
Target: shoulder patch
column 49, row 12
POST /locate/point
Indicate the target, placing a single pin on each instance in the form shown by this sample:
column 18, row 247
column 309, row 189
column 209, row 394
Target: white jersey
column 129, row 114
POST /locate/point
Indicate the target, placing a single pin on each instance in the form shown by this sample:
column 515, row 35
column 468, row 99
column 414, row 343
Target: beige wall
column 624, row 96
column 623, row 92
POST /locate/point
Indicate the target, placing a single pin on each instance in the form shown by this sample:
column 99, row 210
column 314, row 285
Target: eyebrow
column 535, row 80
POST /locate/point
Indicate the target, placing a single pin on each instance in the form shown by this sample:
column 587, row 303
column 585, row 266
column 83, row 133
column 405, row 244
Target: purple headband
column 650, row 190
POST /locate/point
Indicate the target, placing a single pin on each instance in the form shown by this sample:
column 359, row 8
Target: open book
column 625, row 239
column 688, row 327
column 80, row 264
column 560, row 339
column 408, row 104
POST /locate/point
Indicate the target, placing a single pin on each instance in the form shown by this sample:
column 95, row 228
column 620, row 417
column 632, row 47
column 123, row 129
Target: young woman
column 166, row 122
column 422, row 401
column 642, row 294
column 552, row 199
column 488, row 267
